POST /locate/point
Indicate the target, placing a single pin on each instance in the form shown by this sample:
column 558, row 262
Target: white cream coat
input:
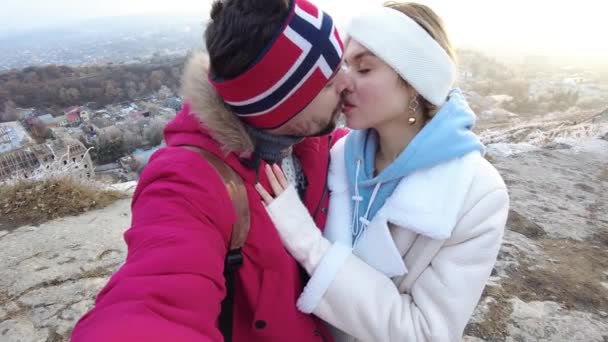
column 418, row 271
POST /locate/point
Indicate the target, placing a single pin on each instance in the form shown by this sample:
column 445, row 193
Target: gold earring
column 413, row 106
column 411, row 120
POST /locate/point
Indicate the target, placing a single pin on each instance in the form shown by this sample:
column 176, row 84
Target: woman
column 416, row 213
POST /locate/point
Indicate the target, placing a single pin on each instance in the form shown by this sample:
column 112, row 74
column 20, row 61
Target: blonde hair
column 428, row 20
column 434, row 26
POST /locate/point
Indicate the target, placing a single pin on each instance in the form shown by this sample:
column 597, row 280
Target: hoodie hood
column 447, row 136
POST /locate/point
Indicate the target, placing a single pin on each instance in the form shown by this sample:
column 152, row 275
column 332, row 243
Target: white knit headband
column 405, row 46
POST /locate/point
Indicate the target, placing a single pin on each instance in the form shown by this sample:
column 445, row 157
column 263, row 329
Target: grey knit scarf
column 268, row 147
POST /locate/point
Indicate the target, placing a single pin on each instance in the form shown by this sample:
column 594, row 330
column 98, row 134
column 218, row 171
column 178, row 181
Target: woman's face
column 375, row 94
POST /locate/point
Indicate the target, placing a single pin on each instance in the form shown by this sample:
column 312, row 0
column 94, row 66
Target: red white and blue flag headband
column 289, row 73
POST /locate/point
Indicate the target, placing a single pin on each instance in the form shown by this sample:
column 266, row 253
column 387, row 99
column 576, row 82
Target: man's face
column 320, row 116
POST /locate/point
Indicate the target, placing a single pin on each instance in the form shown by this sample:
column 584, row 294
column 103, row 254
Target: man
column 270, row 93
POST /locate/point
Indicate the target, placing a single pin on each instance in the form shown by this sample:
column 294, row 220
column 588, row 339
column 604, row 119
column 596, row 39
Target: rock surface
column 550, row 282
column 49, row 275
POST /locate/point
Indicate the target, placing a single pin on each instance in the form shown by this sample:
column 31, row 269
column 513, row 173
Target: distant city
column 115, row 40
column 110, row 85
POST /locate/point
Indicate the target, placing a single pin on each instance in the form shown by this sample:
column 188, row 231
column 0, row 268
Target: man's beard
column 331, row 125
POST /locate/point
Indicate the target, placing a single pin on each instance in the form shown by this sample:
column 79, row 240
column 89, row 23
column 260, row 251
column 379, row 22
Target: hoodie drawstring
column 356, row 199
column 360, row 223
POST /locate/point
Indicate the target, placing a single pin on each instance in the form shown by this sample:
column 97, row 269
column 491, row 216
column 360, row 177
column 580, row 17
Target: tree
column 591, row 103
column 31, row 77
column 131, row 90
column 110, row 92
column 101, row 122
column 40, row 131
column 109, row 146
column 73, row 95
column 152, row 108
column 10, row 112
column 132, row 141
column 517, row 88
column 156, row 79
column 154, row 132
column 60, row 86
column 164, row 93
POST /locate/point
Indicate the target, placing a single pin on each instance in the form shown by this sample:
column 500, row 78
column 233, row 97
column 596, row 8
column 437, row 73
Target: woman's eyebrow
column 360, row 55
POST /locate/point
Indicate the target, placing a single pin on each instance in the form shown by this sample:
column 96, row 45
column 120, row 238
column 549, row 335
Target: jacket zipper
column 325, row 188
column 325, row 191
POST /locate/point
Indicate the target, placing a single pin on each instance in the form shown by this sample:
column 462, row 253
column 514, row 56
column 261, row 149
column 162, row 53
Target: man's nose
column 342, row 80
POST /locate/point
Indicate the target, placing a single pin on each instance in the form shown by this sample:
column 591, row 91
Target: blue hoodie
column 447, row 136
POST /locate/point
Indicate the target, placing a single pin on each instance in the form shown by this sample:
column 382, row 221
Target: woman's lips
column 347, row 107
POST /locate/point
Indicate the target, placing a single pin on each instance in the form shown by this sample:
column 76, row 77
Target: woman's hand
column 296, row 228
column 278, row 183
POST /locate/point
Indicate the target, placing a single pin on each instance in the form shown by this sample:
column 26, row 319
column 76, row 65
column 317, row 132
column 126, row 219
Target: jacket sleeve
column 338, row 135
column 366, row 304
column 172, row 283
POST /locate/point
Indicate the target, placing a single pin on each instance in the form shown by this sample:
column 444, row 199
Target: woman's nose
column 343, row 81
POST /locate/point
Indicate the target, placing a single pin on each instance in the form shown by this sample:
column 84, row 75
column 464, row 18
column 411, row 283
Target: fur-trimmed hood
column 207, row 106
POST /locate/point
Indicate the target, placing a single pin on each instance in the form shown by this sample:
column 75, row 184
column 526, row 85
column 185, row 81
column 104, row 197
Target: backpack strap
column 240, row 229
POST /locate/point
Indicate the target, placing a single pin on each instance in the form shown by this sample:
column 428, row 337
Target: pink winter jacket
column 171, row 285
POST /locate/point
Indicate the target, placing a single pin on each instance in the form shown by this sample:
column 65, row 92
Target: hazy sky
column 569, row 28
